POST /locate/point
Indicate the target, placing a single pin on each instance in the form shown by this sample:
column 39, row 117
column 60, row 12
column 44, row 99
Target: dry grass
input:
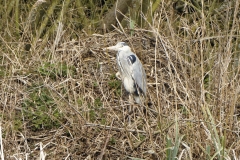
column 61, row 99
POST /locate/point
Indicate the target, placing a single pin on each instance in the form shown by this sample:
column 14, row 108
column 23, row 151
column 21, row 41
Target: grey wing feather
column 139, row 75
column 135, row 70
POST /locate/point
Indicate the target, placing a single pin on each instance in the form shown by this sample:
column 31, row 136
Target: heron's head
column 120, row 46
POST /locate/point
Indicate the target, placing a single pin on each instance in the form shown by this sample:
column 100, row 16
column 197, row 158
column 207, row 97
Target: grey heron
column 131, row 71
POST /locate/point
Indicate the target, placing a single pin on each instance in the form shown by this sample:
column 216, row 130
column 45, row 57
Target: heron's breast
column 129, row 84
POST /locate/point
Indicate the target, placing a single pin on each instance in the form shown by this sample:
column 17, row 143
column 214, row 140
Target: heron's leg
column 118, row 75
column 130, row 109
column 131, row 100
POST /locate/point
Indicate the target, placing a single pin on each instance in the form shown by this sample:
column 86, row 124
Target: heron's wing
column 137, row 72
column 139, row 75
column 130, row 66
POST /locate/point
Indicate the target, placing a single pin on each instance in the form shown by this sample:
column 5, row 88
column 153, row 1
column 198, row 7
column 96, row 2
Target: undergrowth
column 60, row 98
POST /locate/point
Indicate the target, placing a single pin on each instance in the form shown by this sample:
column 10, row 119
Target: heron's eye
column 123, row 44
column 131, row 59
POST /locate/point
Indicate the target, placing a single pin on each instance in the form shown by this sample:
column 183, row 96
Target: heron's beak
column 112, row 48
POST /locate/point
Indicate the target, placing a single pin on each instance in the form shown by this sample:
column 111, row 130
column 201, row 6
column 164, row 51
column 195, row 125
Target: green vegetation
column 115, row 85
column 57, row 70
column 173, row 148
column 40, row 111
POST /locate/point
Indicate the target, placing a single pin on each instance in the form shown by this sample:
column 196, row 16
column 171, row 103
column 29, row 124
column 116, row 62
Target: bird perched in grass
column 131, row 71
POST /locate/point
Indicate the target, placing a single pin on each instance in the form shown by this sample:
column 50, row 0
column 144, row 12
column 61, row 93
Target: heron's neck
column 125, row 49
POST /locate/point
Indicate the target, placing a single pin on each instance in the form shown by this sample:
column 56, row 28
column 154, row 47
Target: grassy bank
column 60, row 98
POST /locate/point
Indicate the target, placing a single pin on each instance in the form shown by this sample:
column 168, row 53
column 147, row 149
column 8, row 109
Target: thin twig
column 113, row 128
